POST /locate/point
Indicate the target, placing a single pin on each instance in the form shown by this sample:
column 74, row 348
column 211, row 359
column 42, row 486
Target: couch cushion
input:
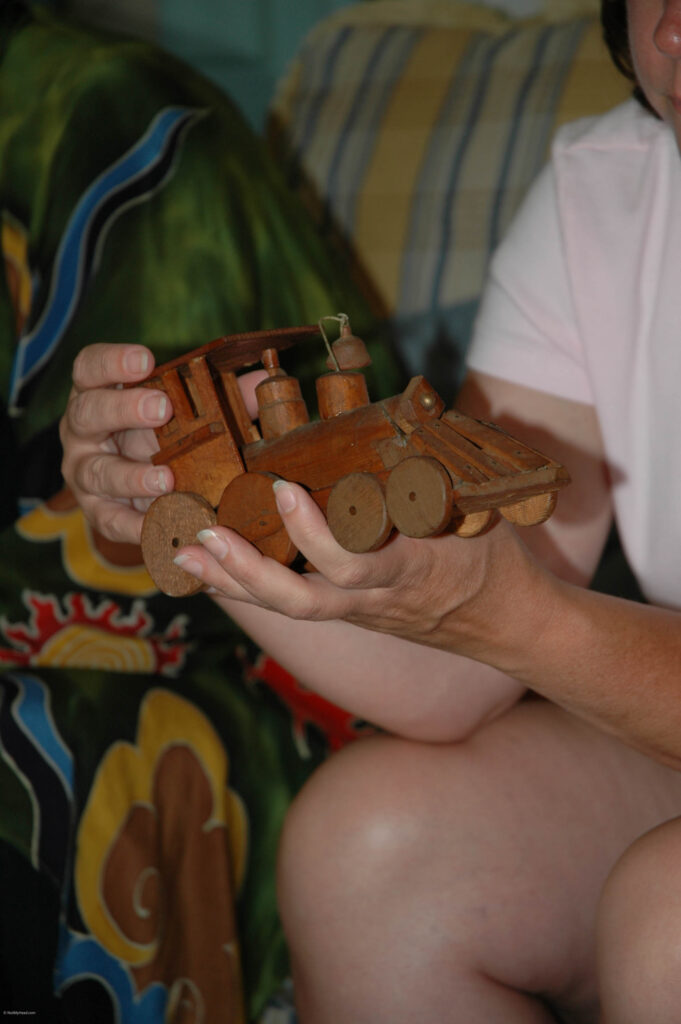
column 413, row 137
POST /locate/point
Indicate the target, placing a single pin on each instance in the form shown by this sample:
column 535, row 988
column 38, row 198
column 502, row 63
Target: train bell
column 350, row 352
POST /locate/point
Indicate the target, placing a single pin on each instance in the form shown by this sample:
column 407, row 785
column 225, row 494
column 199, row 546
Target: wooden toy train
column 402, row 463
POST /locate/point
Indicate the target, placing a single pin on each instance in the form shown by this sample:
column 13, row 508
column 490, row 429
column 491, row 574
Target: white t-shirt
column 584, row 302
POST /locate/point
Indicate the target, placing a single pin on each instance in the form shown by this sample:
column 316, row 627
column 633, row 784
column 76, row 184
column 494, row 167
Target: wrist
column 511, row 607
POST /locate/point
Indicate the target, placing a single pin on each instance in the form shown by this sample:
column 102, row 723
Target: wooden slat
column 425, row 441
column 234, row 351
column 199, row 383
column 182, row 408
column 495, row 442
column 245, row 425
column 473, row 462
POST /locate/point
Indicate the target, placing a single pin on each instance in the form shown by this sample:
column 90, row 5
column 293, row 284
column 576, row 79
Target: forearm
column 613, row 662
column 418, row 692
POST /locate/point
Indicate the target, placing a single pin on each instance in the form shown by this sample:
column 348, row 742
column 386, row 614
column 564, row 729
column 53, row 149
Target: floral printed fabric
column 145, row 771
column 148, row 752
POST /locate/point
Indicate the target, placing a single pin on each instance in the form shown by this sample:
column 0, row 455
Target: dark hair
column 616, row 36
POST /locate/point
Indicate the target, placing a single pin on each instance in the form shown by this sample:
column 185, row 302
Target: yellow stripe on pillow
column 385, row 202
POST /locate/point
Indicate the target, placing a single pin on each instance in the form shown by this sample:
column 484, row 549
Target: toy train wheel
column 357, row 513
column 473, row 524
column 247, row 505
column 171, row 522
column 530, row 511
column 419, row 496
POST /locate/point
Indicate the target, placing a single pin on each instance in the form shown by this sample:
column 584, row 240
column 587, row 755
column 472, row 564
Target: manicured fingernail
column 155, row 481
column 218, row 546
column 136, row 360
column 189, row 564
column 153, row 406
column 285, row 496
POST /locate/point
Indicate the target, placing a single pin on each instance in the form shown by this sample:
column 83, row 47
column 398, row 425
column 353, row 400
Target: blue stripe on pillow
column 359, row 132
column 545, row 81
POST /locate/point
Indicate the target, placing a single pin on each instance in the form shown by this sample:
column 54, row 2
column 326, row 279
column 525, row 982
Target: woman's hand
column 107, row 434
column 444, row 592
column 108, row 438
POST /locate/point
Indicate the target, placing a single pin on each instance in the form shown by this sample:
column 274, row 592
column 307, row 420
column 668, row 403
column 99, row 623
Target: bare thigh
column 639, row 949
column 418, row 869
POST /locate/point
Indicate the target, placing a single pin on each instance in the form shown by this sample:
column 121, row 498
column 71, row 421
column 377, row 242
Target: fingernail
column 155, row 481
column 218, row 546
column 136, row 360
column 189, row 564
column 153, row 406
column 285, row 496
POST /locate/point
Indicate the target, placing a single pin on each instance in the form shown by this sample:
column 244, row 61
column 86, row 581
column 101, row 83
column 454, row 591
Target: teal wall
column 244, row 45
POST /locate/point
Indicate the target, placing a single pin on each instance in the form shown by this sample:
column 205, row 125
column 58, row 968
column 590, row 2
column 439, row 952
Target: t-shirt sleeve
column 527, row 329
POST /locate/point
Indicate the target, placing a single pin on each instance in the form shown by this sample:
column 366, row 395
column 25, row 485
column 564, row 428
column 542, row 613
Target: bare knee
column 639, row 931
column 479, row 860
column 355, row 820
column 382, row 878
column 385, row 813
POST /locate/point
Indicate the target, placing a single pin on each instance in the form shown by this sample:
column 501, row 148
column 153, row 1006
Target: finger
column 96, row 414
column 228, row 559
column 110, row 476
column 118, row 522
column 102, row 365
column 198, row 562
column 138, row 445
column 248, row 382
column 307, row 527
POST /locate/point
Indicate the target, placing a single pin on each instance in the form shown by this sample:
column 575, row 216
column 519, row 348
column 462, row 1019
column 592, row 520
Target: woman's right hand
column 107, row 434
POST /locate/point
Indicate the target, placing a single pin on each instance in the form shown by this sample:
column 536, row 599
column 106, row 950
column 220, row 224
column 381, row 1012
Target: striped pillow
column 414, row 144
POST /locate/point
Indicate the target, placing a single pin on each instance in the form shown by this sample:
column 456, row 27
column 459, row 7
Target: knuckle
column 306, row 608
column 79, row 414
column 79, row 364
column 111, row 522
column 107, row 527
column 91, row 367
column 350, row 574
column 74, row 473
column 63, row 424
column 77, row 372
column 113, row 529
column 94, row 474
column 93, row 512
column 248, row 576
column 113, row 519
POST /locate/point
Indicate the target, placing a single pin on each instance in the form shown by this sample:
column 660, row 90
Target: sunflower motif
column 87, row 635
